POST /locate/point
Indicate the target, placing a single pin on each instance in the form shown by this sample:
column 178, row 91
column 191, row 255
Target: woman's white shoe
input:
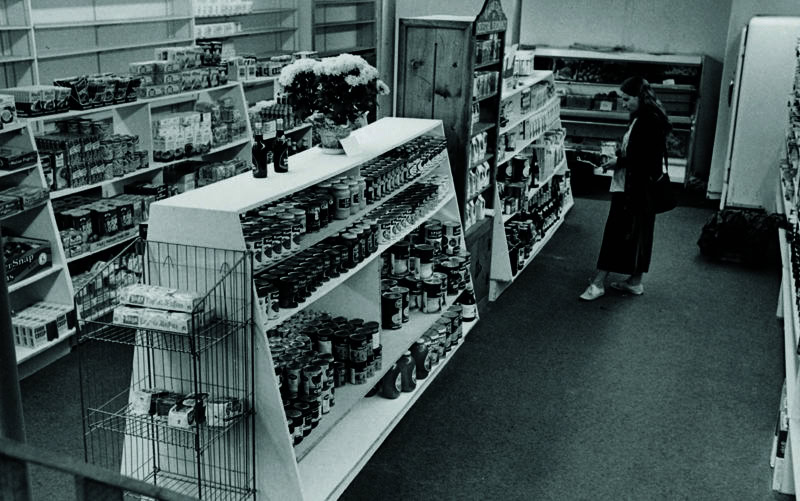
column 592, row 292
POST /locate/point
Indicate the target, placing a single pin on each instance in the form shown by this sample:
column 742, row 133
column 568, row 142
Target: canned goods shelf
column 327, row 287
column 394, row 343
column 358, row 435
column 200, row 156
column 335, row 227
column 524, row 145
column 559, row 168
column 71, row 191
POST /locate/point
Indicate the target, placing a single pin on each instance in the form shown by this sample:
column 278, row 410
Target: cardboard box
column 25, row 257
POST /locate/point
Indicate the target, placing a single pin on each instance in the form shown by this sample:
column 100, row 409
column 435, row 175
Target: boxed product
column 8, row 109
column 29, row 196
column 25, row 257
column 154, row 296
column 148, row 318
column 9, row 205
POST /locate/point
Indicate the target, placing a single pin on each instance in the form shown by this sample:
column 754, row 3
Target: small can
column 358, row 372
column 456, row 329
column 432, row 295
column 452, row 237
column 293, row 374
column 442, row 277
column 341, row 346
column 296, row 424
column 453, row 273
column 391, row 310
column 359, row 348
column 387, row 284
column 433, row 235
column 404, row 295
column 339, row 374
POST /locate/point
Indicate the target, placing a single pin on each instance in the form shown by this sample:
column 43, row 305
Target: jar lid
column 424, row 251
column 340, row 186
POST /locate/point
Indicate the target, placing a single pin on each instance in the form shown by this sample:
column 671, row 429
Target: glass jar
column 342, row 201
column 355, row 196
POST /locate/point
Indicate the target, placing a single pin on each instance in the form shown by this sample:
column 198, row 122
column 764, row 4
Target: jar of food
column 362, row 192
column 404, row 294
column 442, row 277
column 350, row 241
column 343, row 200
column 391, row 310
column 423, row 261
column 400, row 256
column 431, row 295
column 325, row 341
column 355, row 196
column 294, row 419
column 359, row 348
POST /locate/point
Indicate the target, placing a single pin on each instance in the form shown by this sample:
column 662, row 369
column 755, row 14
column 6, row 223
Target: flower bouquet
column 334, row 93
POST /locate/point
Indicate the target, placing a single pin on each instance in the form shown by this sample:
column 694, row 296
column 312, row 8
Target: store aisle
column 671, row 395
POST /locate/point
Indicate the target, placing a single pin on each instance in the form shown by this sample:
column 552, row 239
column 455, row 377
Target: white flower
column 288, row 73
column 383, row 89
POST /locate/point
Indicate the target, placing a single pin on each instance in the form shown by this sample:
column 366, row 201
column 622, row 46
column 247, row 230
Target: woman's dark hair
column 648, row 102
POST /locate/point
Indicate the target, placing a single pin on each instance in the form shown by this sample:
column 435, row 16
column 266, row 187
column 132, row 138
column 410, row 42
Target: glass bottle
column 259, row 152
column 469, row 309
column 280, row 149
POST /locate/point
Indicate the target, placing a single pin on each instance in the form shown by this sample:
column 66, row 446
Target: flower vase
column 330, row 134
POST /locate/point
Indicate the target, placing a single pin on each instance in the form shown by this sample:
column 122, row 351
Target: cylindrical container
column 287, row 290
column 341, row 345
column 452, row 237
column 296, row 425
column 391, row 310
column 350, row 241
column 339, row 374
column 300, row 219
column 360, row 347
column 355, row 196
column 358, row 372
column 419, row 352
column 362, row 189
column 392, row 383
column 442, row 277
column 400, row 256
column 343, row 200
column 294, row 372
column 423, row 261
column 453, row 273
column 387, row 284
column 374, row 330
column 404, row 294
column 458, row 322
column 455, row 328
column 433, row 235
column 325, row 341
column 408, row 372
column 432, row 295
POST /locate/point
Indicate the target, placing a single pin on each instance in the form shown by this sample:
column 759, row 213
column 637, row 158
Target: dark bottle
column 469, row 310
column 280, row 149
column 259, row 152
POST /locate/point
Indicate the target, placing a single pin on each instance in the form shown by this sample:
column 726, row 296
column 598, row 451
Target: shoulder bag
column 662, row 193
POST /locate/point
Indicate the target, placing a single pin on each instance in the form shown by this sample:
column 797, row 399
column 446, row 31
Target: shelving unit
column 320, row 467
column 682, row 82
column 539, row 119
column 17, row 44
column 437, row 64
column 345, row 26
column 51, row 284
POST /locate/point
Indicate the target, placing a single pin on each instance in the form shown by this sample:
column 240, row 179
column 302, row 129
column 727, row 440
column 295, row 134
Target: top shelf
column 306, row 168
column 643, row 57
column 109, row 22
column 527, row 82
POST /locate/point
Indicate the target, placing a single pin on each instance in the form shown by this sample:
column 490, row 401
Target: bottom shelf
column 30, row 360
column 497, row 286
column 334, row 462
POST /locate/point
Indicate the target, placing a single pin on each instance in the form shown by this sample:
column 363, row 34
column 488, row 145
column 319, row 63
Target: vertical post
column 12, row 425
column 386, row 18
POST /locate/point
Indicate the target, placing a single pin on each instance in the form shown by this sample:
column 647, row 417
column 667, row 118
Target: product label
column 468, row 311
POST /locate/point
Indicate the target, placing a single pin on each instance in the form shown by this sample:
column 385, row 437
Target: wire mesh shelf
column 157, row 428
column 216, row 332
column 181, row 416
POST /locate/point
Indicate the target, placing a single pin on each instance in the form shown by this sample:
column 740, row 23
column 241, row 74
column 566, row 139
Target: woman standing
column 628, row 237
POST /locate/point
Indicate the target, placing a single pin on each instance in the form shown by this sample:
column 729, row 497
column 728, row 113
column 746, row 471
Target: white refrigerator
column 750, row 135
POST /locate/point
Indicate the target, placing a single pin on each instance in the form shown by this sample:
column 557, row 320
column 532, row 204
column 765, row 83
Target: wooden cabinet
column 449, row 68
column 591, row 110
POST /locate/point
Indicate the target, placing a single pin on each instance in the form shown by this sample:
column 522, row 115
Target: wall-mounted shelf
column 110, row 22
column 113, row 48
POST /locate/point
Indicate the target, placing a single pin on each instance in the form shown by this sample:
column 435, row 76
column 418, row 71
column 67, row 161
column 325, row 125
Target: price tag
column 606, row 105
column 351, row 144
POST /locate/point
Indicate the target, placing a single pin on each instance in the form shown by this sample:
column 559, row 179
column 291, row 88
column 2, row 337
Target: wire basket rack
column 167, row 396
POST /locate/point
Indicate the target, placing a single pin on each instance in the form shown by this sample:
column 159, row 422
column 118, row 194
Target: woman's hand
column 610, row 164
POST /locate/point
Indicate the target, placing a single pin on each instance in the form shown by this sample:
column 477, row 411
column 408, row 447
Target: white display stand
column 501, row 276
column 52, row 284
column 329, row 458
